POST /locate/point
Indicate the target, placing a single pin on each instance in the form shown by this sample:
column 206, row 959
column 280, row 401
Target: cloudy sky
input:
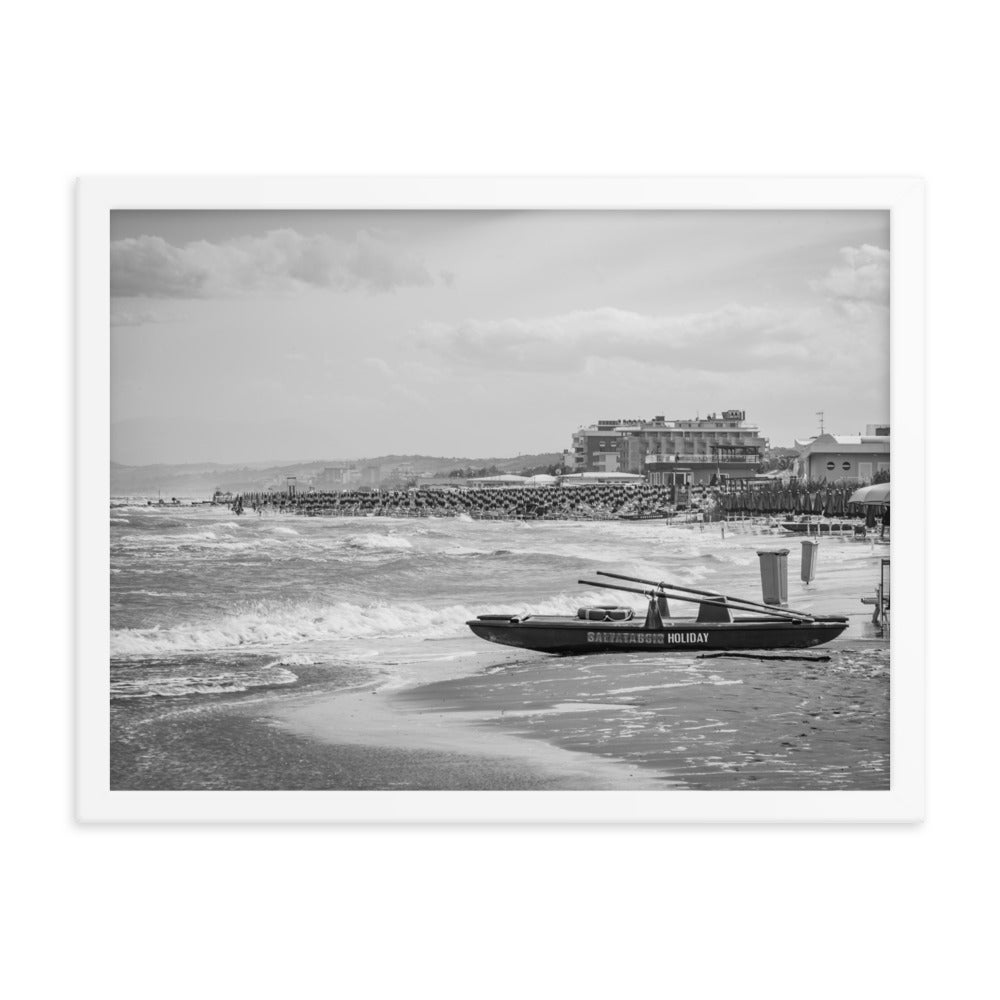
column 249, row 336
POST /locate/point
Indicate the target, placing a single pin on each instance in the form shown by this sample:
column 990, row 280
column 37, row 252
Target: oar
column 794, row 616
column 651, row 594
column 737, row 603
column 747, row 604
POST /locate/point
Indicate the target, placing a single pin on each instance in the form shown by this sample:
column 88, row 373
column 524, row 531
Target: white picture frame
column 97, row 803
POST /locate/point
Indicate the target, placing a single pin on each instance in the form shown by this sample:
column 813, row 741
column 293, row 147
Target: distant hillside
column 202, row 479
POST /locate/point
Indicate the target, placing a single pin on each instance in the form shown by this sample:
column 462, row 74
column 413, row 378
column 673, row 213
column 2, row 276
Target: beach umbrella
column 871, row 496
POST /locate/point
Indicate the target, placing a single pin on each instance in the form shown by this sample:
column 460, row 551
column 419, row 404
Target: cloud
column 862, row 277
column 136, row 317
column 284, row 261
column 844, row 330
column 377, row 261
column 729, row 338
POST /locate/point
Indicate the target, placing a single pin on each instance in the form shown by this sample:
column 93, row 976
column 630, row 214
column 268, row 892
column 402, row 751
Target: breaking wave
column 264, row 626
column 370, row 543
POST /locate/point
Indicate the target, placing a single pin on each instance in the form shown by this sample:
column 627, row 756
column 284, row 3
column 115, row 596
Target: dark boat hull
column 571, row 636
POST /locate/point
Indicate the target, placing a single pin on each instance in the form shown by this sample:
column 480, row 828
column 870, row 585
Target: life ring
column 605, row 613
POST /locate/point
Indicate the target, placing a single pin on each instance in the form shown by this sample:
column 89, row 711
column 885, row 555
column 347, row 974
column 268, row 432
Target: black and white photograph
column 500, row 499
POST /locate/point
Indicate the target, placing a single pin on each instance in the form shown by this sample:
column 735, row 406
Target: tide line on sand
column 404, row 720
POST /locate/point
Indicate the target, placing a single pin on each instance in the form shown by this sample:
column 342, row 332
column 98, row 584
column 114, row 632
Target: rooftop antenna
column 819, row 413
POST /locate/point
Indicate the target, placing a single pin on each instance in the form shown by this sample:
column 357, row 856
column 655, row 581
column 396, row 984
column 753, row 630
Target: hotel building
column 595, row 448
column 672, row 452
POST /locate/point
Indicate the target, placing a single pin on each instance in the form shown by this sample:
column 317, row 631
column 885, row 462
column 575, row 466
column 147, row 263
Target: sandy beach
column 451, row 750
column 628, row 722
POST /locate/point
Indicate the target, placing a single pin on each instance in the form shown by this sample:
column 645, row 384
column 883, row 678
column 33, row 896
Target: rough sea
column 217, row 620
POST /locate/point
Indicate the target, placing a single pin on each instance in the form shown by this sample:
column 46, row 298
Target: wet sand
column 451, row 753
column 819, row 720
column 704, row 723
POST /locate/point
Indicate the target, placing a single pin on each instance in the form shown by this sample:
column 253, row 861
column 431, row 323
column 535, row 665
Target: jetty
column 596, row 502
column 590, row 503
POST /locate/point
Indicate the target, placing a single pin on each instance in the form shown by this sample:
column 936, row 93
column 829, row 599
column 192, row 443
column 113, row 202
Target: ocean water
column 216, row 619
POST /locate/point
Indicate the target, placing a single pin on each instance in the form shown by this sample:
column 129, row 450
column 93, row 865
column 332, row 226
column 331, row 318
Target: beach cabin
column 833, row 457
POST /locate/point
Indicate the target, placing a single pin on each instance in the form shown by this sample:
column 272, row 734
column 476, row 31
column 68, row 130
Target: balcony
column 703, row 459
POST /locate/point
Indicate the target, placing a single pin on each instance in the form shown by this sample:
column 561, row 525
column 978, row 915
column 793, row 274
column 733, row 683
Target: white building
column 833, row 457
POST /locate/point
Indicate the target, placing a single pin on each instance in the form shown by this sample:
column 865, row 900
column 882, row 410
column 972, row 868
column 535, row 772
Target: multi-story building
column 672, row 452
column 595, row 448
column 332, row 477
column 342, row 476
column 395, row 476
column 701, row 451
column 855, row 457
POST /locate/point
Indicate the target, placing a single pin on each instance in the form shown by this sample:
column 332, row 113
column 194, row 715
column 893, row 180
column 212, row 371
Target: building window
column 846, row 466
column 830, row 466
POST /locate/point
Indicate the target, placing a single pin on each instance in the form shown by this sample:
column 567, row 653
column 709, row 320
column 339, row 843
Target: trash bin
column 774, row 576
column 810, row 552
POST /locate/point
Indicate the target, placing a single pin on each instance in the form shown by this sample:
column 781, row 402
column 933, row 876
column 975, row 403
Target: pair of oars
column 662, row 588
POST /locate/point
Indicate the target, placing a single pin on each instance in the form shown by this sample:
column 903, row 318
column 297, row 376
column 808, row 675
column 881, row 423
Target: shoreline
column 399, row 719
column 611, row 722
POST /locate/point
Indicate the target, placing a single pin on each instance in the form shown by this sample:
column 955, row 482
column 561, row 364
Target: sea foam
column 182, row 686
column 377, row 542
column 265, row 626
